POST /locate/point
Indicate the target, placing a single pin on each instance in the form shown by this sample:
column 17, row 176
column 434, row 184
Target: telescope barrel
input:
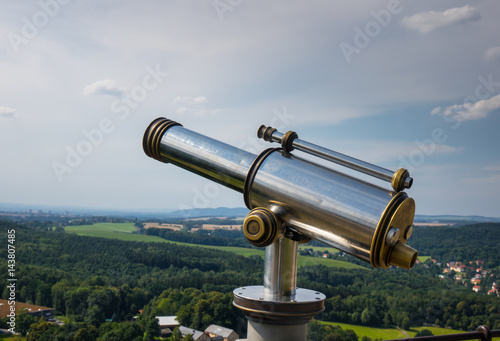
column 290, row 141
column 170, row 142
column 354, row 216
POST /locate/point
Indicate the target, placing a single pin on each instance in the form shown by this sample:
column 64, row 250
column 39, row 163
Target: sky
column 413, row 84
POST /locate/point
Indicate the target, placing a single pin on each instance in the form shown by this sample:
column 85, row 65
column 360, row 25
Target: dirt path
column 404, row 332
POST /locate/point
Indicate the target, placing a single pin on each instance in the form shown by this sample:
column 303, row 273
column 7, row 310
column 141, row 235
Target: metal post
column 264, row 332
column 280, row 270
column 278, row 310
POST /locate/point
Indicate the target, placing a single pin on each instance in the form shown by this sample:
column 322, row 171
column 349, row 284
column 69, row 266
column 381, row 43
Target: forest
column 464, row 243
column 89, row 280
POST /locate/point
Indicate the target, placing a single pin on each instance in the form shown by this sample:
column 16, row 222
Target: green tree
column 366, row 316
column 87, row 333
column 188, row 337
column 152, row 329
column 424, row 332
column 176, row 335
column 37, row 330
column 23, row 322
column 387, row 319
column 405, row 324
column 115, row 318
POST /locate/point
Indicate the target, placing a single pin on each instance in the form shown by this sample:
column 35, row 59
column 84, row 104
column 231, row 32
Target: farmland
column 123, row 231
column 390, row 333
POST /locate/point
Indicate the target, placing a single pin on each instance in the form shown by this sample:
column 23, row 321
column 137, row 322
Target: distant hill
column 81, row 211
column 211, row 212
column 455, row 220
column 463, row 243
column 131, row 213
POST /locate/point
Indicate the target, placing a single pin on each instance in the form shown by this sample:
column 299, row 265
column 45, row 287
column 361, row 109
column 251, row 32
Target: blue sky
column 396, row 83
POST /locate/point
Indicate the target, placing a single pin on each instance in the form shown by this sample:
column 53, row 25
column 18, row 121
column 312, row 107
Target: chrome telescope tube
column 170, row 142
column 300, row 196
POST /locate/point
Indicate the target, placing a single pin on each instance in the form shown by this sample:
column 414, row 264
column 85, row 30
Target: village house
column 476, row 288
column 197, row 335
column 167, row 324
column 227, row 334
column 493, row 290
column 475, row 280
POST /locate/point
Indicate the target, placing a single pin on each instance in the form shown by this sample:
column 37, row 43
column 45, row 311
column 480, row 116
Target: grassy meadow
column 390, row 333
column 123, row 231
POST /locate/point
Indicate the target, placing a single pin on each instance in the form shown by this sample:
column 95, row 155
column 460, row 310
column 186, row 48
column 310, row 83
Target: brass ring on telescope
column 266, row 133
column 153, row 135
column 287, row 140
column 145, row 140
column 252, row 172
column 398, row 179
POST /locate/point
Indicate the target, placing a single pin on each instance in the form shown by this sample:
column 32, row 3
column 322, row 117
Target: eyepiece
column 403, row 256
column 153, row 135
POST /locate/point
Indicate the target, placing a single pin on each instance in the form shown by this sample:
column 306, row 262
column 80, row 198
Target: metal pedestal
column 278, row 310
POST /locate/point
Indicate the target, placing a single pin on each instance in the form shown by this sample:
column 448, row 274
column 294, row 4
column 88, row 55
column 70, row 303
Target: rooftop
column 218, row 330
column 20, row 307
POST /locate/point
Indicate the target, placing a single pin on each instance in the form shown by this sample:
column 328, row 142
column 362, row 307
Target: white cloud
column 387, row 152
column 493, row 53
column 198, row 101
column 104, row 87
column 193, row 105
column 469, row 111
column 427, row 22
column 8, row 112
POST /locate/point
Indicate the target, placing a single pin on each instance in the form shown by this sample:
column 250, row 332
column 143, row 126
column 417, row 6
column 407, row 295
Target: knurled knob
column 260, row 227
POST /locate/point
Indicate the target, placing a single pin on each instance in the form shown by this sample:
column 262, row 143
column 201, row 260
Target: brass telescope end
column 393, row 230
column 401, row 180
column 153, row 135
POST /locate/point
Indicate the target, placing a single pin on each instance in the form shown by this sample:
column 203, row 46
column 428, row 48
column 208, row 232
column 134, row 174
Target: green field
column 123, row 231
column 390, row 333
column 423, row 258
column 318, row 248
